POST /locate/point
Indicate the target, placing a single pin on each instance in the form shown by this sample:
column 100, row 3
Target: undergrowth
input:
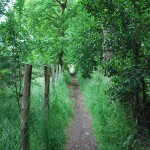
column 44, row 133
column 114, row 128
column 9, row 120
column 53, row 130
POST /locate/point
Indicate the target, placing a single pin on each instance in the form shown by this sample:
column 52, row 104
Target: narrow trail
column 80, row 132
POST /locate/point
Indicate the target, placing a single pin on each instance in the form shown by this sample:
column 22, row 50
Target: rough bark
column 56, row 79
column 59, row 70
column 25, row 108
column 53, row 75
column 47, row 84
column 63, row 6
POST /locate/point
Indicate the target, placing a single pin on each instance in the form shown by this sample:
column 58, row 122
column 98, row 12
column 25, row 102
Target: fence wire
column 10, row 118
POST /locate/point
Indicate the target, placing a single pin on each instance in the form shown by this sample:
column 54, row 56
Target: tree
column 128, row 23
column 83, row 40
column 14, row 46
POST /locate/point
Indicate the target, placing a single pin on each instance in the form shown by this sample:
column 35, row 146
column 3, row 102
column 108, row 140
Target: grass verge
column 44, row 133
column 114, row 128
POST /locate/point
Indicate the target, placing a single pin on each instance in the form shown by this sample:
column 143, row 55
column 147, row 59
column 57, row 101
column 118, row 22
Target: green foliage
column 42, row 132
column 113, row 126
column 14, row 45
column 46, row 25
column 36, row 32
column 66, row 76
column 49, row 132
column 9, row 118
column 83, row 41
column 126, row 23
column 3, row 4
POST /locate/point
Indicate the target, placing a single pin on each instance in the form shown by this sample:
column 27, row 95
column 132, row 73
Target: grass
column 44, row 133
column 114, row 128
column 9, row 120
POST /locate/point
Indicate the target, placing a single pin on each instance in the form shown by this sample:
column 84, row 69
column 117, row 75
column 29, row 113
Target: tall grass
column 44, row 133
column 52, row 130
column 114, row 128
column 9, row 120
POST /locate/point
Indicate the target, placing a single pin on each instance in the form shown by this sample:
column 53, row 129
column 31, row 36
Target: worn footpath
column 80, row 134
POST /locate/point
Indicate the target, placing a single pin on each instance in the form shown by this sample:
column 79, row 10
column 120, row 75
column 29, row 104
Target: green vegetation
column 42, row 132
column 113, row 125
column 9, row 120
column 123, row 25
column 108, row 35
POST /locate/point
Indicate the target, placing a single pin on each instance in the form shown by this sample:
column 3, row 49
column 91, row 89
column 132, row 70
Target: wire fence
column 10, row 118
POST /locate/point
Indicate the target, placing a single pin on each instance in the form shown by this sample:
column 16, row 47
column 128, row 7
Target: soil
column 80, row 134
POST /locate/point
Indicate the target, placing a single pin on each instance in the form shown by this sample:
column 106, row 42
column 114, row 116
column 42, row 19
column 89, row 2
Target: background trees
column 127, row 23
column 81, row 33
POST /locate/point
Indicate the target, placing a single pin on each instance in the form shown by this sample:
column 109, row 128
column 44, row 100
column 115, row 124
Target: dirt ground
column 80, row 134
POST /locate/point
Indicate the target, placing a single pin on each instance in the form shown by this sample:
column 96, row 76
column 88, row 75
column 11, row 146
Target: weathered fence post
column 59, row 70
column 53, row 74
column 25, row 107
column 47, row 84
column 56, row 78
column 93, row 69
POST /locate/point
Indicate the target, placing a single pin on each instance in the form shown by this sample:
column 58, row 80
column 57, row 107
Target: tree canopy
column 111, row 36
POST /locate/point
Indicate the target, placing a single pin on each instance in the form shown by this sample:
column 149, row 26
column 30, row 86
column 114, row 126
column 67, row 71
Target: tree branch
column 59, row 2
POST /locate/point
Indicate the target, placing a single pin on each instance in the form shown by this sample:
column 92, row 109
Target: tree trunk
column 63, row 6
column 25, row 108
column 60, row 58
column 144, row 89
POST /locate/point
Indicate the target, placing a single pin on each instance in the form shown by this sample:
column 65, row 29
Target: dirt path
column 80, row 131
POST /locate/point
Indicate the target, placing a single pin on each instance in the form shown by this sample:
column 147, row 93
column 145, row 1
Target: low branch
column 59, row 2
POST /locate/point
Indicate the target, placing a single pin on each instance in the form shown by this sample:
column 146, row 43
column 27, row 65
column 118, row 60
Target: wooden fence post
column 56, row 78
column 59, row 70
column 25, row 108
column 47, row 84
column 53, row 74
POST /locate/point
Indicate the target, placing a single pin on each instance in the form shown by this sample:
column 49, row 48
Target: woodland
column 108, row 44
